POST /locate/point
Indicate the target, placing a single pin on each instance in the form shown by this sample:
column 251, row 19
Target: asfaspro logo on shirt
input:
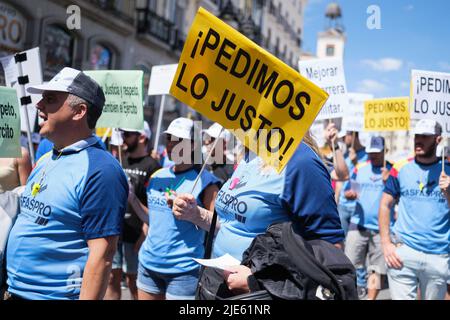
column 41, row 209
column 232, row 203
column 428, row 191
column 157, row 199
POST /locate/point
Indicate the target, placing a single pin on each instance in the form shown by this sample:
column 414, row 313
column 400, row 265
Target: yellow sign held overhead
column 228, row 78
column 389, row 114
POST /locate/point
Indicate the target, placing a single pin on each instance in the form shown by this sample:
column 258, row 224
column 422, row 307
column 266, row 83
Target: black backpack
column 285, row 266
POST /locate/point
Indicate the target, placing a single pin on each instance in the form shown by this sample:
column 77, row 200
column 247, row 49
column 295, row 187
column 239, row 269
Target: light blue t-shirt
column 370, row 183
column 83, row 196
column 362, row 156
column 423, row 221
column 254, row 198
column 171, row 244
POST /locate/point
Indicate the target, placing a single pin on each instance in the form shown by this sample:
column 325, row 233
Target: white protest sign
column 430, row 97
column 329, row 75
column 317, row 131
column 32, row 68
column 161, row 79
column 353, row 119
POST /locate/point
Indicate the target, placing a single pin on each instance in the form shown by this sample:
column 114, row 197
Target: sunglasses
column 129, row 134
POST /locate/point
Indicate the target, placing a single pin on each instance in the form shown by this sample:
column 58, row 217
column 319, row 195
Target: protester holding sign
column 363, row 238
column 63, row 241
column 417, row 253
column 139, row 166
column 256, row 196
column 355, row 154
column 166, row 268
column 335, row 160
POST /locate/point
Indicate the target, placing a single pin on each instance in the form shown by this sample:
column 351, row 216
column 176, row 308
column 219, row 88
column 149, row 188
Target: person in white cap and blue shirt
column 166, row 266
column 363, row 238
column 417, row 250
column 139, row 166
column 71, row 212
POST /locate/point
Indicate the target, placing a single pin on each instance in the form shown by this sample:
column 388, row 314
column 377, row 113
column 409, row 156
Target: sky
column 413, row 35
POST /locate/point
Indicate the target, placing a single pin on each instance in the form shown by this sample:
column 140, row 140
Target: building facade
column 138, row 34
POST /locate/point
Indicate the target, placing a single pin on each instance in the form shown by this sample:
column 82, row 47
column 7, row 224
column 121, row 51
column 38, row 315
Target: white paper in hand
column 222, row 263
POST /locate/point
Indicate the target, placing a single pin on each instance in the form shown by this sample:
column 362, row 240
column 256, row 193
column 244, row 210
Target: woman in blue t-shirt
column 257, row 196
column 166, row 266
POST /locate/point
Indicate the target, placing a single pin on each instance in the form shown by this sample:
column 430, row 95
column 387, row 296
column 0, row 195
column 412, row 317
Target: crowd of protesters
column 90, row 218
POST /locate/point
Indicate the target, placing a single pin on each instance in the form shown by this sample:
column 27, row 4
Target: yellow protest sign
column 102, row 131
column 228, row 78
column 389, row 114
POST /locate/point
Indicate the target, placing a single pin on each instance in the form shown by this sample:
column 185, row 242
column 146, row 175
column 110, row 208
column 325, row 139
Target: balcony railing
column 159, row 27
column 110, row 6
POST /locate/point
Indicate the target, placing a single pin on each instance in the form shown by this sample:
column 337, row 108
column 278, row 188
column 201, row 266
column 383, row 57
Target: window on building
column 330, row 50
column 58, row 44
column 100, row 57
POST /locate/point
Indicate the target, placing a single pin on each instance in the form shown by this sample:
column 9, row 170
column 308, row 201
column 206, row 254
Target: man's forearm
column 140, row 209
column 384, row 220
column 95, row 279
column 204, row 219
column 340, row 166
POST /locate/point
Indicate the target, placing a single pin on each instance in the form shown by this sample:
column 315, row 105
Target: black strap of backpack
column 210, row 237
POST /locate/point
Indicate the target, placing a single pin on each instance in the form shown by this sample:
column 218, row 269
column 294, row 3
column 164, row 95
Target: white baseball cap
column 428, row 128
column 145, row 132
column 74, row 82
column 215, row 130
column 376, row 145
column 182, row 128
column 341, row 134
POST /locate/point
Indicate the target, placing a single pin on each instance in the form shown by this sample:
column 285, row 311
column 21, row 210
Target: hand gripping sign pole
column 206, row 162
column 24, row 99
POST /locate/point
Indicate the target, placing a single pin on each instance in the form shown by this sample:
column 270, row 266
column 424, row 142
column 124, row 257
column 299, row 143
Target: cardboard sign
column 161, row 79
column 231, row 80
column 390, row 114
column 328, row 74
column 430, row 97
column 353, row 119
column 124, row 98
column 9, row 124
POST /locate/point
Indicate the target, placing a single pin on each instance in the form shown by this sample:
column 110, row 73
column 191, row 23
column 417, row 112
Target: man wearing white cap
column 166, row 266
column 417, row 252
column 219, row 165
column 363, row 237
column 139, row 166
column 71, row 212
